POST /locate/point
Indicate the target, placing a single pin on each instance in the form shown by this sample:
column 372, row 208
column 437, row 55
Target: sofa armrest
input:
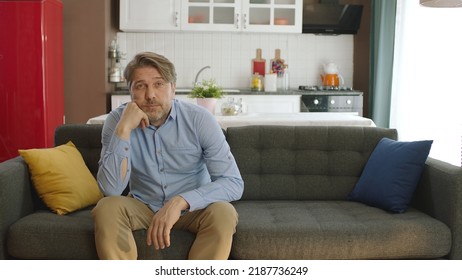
column 439, row 194
column 16, row 198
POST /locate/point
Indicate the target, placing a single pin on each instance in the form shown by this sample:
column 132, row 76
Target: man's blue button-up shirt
column 188, row 156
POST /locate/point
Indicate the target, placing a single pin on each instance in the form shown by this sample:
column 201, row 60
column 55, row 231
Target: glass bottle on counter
column 285, row 81
column 283, row 78
column 115, row 72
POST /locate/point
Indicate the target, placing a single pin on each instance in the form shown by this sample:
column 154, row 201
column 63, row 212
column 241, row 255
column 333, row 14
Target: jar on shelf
column 257, row 82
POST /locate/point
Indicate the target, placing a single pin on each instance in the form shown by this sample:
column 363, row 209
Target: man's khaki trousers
column 117, row 216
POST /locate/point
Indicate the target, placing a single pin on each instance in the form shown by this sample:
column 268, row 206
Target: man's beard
column 157, row 115
column 154, row 117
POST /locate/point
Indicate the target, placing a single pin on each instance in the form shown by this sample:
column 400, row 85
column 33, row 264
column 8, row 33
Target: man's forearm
column 114, row 167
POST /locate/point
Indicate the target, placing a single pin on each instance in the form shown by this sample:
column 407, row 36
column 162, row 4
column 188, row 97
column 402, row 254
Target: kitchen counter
column 290, row 101
column 247, row 91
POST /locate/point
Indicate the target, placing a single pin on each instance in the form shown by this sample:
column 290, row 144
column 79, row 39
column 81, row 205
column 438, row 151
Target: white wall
column 230, row 54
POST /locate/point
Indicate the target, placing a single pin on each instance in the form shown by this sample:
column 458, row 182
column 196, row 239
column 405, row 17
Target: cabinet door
column 211, row 15
column 257, row 103
column 117, row 100
column 272, row 103
column 149, row 15
column 272, row 16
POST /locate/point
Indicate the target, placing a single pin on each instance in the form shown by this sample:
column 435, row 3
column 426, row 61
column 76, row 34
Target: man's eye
column 140, row 86
column 159, row 84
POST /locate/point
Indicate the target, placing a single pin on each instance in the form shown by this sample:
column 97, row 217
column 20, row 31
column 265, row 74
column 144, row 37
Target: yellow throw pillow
column 61, row 178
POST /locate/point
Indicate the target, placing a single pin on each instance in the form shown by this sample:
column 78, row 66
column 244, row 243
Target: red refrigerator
column 31, row 74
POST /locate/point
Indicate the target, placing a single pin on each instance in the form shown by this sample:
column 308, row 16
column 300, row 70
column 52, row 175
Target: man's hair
column 150, row 59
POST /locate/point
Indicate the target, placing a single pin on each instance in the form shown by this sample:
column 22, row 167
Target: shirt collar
column 173, row 111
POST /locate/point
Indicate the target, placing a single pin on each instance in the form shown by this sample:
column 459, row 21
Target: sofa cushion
column 391, row 174
column 61, row 178
column 45, row 235
column 335, row 230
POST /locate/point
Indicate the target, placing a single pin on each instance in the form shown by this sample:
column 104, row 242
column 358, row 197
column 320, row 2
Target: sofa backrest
column 276, row 162
column 302, row 162
column 87, row 139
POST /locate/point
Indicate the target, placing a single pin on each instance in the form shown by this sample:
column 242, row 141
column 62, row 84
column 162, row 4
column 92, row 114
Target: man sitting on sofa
column 181, row 172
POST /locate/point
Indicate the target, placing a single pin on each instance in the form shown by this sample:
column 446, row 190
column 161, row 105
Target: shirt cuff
column 194, row 199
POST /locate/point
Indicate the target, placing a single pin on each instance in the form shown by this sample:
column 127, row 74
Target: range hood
column 330, row 18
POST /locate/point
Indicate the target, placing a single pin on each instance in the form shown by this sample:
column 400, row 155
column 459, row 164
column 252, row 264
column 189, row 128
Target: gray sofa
column 294, row 205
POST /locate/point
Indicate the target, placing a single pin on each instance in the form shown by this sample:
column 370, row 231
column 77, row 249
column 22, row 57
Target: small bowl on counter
column 231, row 108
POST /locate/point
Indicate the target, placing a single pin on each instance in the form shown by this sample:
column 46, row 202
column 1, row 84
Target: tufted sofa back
column 300, row 163
column 87, row 139
column 276, row 162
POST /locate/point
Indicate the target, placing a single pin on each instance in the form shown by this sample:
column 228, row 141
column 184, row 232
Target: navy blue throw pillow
column 391, row 174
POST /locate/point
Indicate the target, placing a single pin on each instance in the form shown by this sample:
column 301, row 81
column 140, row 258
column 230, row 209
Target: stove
column 331, row 99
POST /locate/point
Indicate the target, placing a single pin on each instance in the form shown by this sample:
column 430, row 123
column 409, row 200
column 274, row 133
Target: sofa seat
column 266, row 230
column 42, row 235
column 335, row 230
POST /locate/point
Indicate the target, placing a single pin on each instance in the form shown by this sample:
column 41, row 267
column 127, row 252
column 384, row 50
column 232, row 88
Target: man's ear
column 174, row 89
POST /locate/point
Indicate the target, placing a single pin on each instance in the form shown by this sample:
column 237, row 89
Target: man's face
column 152, row 94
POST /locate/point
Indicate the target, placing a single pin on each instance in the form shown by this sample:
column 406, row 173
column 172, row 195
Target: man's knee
column 222, row 213
column 108, row 205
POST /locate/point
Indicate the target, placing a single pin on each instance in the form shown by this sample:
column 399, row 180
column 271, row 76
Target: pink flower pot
column 208, row 103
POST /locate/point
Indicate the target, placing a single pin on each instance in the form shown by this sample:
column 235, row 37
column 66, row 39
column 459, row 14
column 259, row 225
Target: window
column 427, row 78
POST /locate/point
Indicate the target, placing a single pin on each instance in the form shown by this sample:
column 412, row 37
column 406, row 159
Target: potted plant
column 206, row 93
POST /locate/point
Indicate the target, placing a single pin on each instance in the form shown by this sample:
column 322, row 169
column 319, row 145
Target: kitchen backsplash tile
column 230, row 55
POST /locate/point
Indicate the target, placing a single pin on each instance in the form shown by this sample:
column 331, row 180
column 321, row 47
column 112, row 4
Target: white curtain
column 427, row 78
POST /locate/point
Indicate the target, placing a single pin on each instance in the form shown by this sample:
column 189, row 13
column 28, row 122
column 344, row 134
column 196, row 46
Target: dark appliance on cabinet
column 331, row 18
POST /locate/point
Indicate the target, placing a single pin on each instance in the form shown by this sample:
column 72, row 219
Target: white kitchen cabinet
column 119, row 99
column 149, row 15
column 272, row 103
column 242, row 15
column 257, row 103
column 211, row 15
column 251, row 103
column 272, row 16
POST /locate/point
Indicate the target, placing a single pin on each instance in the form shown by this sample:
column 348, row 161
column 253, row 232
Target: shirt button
column 161, row 170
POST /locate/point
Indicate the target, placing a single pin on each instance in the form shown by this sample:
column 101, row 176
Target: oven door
column 315, row 103
column 332, row 103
